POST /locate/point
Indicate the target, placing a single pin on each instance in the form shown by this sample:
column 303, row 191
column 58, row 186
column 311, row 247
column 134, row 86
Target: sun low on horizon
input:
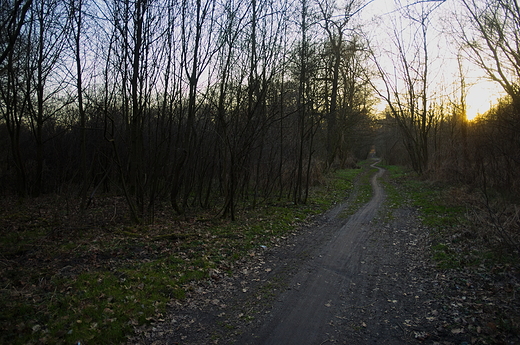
column 481, row 97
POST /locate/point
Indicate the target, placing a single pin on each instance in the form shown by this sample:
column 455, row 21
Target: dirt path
column 356, row 280
column 307, row 313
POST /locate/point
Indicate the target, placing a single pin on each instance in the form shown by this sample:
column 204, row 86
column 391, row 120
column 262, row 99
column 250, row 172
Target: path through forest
column 363, row 279
column 307, row 313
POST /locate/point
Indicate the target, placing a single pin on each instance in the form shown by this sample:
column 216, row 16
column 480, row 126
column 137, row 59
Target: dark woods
column 194, row 103
column 209, row 104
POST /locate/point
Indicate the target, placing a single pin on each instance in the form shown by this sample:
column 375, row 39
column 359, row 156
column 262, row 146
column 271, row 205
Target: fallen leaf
column 421, row 335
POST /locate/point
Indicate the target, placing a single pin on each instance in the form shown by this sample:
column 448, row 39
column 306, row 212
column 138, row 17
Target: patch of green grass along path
column 363, row 191
column 434, row 207
column 441, row 217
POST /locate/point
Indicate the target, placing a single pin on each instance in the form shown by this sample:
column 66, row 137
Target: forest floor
column 395, row 263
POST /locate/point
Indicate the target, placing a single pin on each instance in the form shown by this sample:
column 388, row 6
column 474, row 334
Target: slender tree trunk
column 76, row 14
column 136, row 129
column 332, row 117
column 13, row 112
column 38, row 118
column 302, row 104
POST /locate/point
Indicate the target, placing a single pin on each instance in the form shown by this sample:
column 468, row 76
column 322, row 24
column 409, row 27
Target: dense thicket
column 202, row 103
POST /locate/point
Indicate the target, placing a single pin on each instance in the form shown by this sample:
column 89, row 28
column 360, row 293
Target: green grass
column 397, row 172
column 437, row 211
column 395, row 197
column 445, row 256
column 96, row 285
column 339, row 187
column 434, row 205
column 363, row 194
column 443, row 217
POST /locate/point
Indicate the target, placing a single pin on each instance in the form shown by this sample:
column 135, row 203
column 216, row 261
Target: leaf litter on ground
column 70, row 275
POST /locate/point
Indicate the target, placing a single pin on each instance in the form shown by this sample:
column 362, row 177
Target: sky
column 481, row 92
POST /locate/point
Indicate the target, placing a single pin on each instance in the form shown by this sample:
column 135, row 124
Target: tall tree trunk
column 15, row 105
column 76, row 13
column 301, row 104
column 136, row 124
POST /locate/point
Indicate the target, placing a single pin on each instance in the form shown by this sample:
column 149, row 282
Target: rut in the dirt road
column 305, row 313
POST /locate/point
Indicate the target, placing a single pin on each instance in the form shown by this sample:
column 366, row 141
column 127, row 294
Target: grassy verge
column 437, row 211
column 444, row 209
column 396, row 177
column 70, row 276
column 478, row 268
column 363, row 191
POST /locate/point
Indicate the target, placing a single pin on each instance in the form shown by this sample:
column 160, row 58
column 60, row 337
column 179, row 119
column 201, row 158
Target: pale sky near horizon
column 481, row 92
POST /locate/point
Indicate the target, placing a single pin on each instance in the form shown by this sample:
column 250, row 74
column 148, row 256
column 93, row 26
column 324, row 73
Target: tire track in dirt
column 305, row 313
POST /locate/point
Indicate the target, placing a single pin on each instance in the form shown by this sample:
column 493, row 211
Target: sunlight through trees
column 206, row 104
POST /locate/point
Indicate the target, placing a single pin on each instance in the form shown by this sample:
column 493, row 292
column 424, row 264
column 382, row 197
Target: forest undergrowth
column 474, row 247
column 93, row 276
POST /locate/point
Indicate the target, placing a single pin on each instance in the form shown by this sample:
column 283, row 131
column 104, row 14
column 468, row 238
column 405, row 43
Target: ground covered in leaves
column 68, row 275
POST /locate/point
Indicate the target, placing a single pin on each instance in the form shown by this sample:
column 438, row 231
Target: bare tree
column 337, row 25
column 406, row 88
column 13, row 97
column 197, row 49
column 303, row 101
column 46, row 41
column 229, row 36
column 135, row 47
column 76, row 8
column 493, row 39
column 12, row 19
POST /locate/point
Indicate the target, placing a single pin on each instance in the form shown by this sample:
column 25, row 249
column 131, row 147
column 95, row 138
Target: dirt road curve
column 307, row 313
column 363, row 279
